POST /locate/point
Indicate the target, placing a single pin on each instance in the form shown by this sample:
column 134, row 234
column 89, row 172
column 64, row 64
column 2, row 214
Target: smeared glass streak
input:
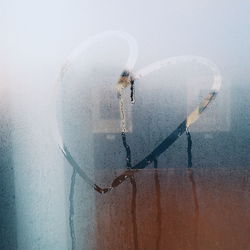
column 122, row 113
column 158, row 204
column 71, row 210
column 133, row 212
column 194, row 116
column 196, row 206
column 125, row 80
column 162, row 147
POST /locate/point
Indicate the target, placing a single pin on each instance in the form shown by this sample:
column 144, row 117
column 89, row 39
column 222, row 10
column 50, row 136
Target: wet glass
column 150, row 150
column 136, row 138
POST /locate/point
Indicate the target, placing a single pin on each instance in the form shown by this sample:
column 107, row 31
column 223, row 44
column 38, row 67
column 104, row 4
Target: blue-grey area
column 8, row 232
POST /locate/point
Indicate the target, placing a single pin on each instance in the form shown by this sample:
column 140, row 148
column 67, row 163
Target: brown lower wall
column 175, row 209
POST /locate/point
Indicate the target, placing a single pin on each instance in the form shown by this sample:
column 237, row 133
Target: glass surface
column 186, row 193
column 91, row 91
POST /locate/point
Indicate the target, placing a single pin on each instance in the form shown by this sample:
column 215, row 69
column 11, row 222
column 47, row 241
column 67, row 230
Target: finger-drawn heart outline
column 169, row 140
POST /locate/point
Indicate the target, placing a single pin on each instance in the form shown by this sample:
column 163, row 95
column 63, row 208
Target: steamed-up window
column 124, row 125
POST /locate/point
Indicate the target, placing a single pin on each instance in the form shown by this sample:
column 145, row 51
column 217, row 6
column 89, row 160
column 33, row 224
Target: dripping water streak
column 128, row 152
column 81, row 173
column 189, row 149
column 132, row 91
column 71, row 210
column 133, row 212
column 158, row 203
column 196, row 206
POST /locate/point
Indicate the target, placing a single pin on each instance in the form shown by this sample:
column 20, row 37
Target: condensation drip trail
column 133, row 212
column 132, row 91
column 128, row 151
column 158, row 203
column 80, row 172
column 189, row 149
column 71, row 210
column 196, row 207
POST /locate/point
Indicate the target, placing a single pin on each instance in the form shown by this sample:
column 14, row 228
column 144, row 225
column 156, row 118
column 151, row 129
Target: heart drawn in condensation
column 127, row 78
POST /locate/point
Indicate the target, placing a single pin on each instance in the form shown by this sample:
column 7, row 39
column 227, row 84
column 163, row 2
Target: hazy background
column 36, row 37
